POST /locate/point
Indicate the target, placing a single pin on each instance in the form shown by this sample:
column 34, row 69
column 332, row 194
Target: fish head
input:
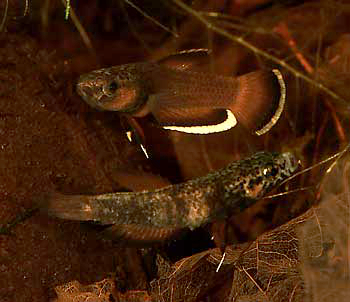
column 284, row 165
column 263, row 171
column 119, row 88
column 279, row 169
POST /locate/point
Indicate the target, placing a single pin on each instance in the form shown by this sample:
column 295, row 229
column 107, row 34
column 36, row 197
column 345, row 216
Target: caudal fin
column 260, row 100
column 71, row 207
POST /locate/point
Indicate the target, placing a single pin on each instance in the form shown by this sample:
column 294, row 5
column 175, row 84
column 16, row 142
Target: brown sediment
column 75, row 149
column 46, row 145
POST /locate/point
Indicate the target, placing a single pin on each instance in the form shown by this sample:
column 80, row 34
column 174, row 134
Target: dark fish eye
column 112, row 87
column 270, row 172
column 273, row 172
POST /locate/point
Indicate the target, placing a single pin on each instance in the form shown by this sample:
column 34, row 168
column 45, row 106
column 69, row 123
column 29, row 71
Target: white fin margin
column 280, row 108
column 227, row 124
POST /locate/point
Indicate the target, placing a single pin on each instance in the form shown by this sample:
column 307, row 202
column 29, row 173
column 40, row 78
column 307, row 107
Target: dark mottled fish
column 183, row 98
column 158, row 213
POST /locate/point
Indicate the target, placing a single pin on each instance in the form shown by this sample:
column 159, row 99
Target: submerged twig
column 85, row 37
column 289, row 192
column 133, row 29
column 151, row 18
column 337, row 123
column 26, row 8
column 335, row 156
column 227, row 21
column 67, row 9
column 283, row 31
column 2, row 25
column 256, row 50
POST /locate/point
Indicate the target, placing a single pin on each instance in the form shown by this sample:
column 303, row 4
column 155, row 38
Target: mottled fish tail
column 71, row 207
column 104, row 210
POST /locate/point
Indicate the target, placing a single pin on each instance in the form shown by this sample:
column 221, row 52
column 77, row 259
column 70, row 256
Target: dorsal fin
column 186, row 59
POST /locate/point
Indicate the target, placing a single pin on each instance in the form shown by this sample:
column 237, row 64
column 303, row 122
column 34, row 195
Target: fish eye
column 270, row 172
column 112, row 87
column 273, row 172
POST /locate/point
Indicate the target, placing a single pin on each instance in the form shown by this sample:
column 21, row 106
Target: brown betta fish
column 184, row 99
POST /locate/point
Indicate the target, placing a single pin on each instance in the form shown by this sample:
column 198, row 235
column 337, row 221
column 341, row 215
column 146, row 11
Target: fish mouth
column 90, row 93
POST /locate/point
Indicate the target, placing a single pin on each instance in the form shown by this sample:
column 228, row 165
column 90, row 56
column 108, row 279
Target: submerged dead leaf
column 102, row 291
column 324, row 240
column 74, row 291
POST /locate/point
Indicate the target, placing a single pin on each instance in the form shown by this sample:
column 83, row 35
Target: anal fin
column 139, row 235
column 173, row 112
